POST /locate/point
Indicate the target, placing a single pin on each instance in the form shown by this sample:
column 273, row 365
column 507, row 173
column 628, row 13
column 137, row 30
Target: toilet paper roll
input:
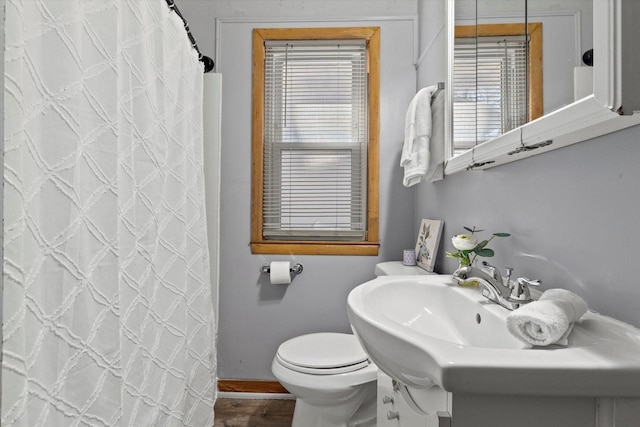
column 280, row 272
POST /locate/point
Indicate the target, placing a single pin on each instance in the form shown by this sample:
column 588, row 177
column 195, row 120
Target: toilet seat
column 323, row 354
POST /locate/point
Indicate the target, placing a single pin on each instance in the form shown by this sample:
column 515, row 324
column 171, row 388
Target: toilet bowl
column 330, row 375
column 332, row 378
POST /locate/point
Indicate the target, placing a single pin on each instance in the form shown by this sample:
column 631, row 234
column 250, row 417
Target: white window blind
column 315, row 140
column 490, row 88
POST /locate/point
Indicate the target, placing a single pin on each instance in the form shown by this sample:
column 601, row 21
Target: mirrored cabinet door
column 522, row 77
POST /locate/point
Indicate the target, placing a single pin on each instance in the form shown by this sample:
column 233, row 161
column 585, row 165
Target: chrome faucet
column 502, row 291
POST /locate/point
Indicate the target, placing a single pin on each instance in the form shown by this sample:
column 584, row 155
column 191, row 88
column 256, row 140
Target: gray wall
column 255, row 316
column 574, row 213
column 574, row 216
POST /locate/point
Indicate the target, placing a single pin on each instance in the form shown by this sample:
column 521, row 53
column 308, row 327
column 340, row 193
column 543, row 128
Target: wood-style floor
column 253, row 413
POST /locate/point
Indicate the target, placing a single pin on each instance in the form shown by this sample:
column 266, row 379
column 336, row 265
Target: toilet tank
column 396, row 268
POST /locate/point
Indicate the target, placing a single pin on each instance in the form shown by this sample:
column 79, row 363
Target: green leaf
column 481, row 245
column 485, row 252
column 468, row 229
column 501, row 234
column 454, row 255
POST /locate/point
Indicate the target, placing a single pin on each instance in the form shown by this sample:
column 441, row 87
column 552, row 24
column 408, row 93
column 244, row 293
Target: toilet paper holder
column 296, row 268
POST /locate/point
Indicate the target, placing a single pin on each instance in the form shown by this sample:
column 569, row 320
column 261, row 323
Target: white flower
column 464, row 242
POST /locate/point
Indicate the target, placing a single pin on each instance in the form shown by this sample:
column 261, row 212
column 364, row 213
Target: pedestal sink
column 425, row 330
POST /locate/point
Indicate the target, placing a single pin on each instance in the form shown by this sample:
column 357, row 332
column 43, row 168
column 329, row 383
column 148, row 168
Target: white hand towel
column 417, row 136
column 435, row 168
column 548, row 320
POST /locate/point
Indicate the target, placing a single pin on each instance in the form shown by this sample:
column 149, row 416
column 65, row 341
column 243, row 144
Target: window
column 315, row 141
column 491, row 95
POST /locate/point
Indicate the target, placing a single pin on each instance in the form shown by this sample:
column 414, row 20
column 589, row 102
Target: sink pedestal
column 489, row 410
column 485, row 410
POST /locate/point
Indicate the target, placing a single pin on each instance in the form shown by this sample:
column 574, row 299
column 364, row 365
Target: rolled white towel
column 548, row 320
column 578, row 305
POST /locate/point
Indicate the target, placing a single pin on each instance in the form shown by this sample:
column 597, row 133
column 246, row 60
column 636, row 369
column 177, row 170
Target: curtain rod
column 208, row 62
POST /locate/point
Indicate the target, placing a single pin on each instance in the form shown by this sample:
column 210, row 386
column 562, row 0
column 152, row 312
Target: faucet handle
column 528, row 282
column 520, row 291
column 495, row 273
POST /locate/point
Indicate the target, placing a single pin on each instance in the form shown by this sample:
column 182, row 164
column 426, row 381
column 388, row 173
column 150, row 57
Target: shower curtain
column 107, row 315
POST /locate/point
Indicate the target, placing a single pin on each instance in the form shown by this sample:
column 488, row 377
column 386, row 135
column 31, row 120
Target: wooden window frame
column 536, row 104
column 370, row 245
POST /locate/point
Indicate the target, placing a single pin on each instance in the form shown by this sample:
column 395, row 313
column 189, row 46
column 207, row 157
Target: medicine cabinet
column 610, row 107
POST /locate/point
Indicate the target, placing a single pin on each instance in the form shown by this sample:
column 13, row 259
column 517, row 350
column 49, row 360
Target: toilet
column 332, row 378
column 330, row 375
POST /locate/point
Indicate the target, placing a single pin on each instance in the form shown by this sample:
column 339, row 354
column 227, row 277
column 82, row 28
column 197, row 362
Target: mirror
column 490, row 84
column 562, row 105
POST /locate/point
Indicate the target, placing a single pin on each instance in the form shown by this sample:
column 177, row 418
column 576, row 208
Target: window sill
column 315, row 248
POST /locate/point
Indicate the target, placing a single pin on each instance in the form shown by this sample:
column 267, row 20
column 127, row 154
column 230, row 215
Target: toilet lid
column 323, row 353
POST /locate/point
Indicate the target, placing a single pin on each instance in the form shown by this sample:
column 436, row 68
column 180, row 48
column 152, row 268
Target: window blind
column 315, row 140
column 490, row 88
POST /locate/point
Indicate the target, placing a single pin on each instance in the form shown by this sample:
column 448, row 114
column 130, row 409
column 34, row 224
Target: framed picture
column 427, row 243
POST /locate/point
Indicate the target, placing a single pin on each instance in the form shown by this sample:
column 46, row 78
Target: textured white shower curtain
column 107, row 307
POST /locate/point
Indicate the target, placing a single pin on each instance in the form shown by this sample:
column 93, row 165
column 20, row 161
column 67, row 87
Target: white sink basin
column 425, row 330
